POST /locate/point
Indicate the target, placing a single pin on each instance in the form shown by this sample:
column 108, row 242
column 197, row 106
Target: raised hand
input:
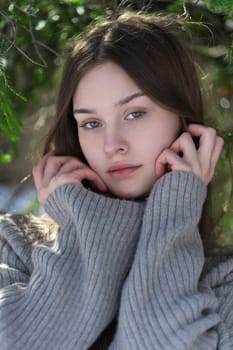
column 53, row 171
column 183, row 154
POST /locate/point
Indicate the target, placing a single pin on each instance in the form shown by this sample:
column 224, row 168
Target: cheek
column 156, row 142
column 90, row 151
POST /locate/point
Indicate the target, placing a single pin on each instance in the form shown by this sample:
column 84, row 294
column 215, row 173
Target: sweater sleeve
column 163, row 305
column 61, row 295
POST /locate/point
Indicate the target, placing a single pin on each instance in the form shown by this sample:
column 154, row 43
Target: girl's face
column 121, row 130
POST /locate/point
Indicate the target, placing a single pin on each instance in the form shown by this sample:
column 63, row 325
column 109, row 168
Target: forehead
column 107, row 81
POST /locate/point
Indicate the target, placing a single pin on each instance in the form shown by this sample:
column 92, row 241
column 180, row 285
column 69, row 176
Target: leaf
column 40, row 25
column 5, row 157
column 221, row 6
column 10, row 123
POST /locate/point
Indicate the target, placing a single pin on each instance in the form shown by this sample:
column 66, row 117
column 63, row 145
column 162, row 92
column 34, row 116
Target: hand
column 53, row 171
column 201, row 161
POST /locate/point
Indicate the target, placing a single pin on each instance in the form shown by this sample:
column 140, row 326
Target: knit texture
column 164, row 305
column 142, row 261
column 63, row 294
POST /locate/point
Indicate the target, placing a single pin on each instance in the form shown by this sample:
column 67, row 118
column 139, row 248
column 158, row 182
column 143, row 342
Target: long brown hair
column 148, row 49
column 145, row 47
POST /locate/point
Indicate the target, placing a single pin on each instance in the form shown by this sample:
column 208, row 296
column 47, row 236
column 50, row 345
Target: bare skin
column 202, row 161
column 54, row 171
column 128, row 139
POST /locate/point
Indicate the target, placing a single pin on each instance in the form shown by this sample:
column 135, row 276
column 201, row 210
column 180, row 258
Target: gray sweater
column 142, row 261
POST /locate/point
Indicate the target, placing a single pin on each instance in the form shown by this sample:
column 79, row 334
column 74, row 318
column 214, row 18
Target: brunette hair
column 145, row 47
column 150, row 52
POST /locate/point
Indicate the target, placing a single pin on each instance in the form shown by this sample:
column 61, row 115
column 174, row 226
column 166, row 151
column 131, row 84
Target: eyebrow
column 125, row 100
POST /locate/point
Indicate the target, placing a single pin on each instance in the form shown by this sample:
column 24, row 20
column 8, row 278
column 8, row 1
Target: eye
column 93, row 124
column 135, row 115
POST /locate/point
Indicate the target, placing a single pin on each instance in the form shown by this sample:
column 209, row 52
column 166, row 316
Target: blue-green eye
column 91, row 125
column 135, row 115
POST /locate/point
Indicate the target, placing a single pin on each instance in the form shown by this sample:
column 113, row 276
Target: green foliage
column 31, row 35
column 10, row 123
column 224, row 7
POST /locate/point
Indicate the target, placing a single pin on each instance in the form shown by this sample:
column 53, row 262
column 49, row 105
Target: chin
column 131, row 195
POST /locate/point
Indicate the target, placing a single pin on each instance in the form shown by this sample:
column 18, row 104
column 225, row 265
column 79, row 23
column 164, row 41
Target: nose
column 115, row 143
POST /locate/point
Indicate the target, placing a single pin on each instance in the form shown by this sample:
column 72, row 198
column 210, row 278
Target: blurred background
column 34, row 37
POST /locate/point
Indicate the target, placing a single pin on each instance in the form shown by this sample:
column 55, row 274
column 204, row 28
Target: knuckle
column 185, row 136
column 211, row 131
column 76, row 162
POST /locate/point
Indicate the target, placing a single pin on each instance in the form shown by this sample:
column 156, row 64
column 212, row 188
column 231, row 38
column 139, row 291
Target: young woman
column 126, row 183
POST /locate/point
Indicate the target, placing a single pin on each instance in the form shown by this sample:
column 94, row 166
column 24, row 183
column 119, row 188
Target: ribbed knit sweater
column 141, row 261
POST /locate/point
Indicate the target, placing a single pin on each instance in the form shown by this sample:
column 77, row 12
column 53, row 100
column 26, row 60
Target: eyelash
column 84, row 125
column 140, row 112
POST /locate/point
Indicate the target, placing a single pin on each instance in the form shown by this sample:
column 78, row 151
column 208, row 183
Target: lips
column 119, row 171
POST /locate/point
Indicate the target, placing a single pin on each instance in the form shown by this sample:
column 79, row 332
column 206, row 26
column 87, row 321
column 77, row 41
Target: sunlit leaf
column 11, row 7
column 5, row 157
column 80, row 10
column 40, row 25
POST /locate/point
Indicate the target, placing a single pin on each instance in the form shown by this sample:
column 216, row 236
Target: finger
column 207, row 140
column 185, row 145
column 57, row 181
column 71, row 165
column 90, row 175
column 38, row 170
column 169, row 159
column 196, row 129
column 80, row 175
column 210, row 149
column 74, row 177
column 53, row 166
column 93, row 178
